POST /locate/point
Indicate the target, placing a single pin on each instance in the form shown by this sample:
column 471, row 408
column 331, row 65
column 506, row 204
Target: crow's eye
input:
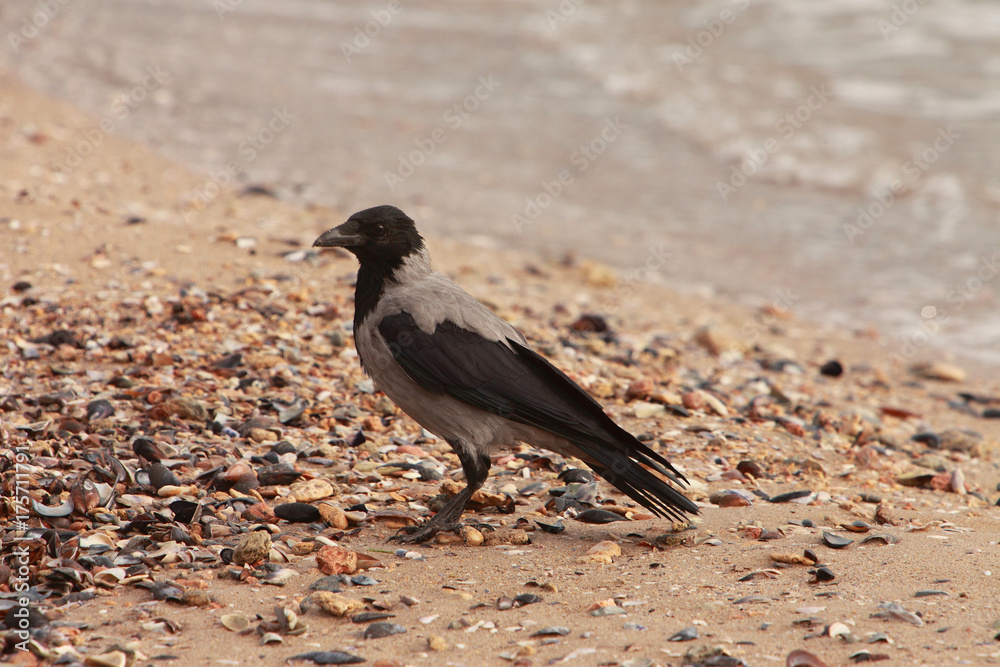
column 379, row 228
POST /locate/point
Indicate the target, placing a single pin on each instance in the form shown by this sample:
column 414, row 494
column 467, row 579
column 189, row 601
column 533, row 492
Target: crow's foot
column 421, row 534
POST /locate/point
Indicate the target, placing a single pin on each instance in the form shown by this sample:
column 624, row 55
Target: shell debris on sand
column 192, row 429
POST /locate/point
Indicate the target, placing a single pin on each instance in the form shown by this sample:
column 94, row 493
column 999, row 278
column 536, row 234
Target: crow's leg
column 477, row 467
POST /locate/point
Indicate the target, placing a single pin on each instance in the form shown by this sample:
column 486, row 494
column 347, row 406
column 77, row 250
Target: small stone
column 196, row 598
column 729, row 499
column 638, row 389
column 336, row 560
column 447, row 539
column 960, row 440
column 437, row 643
column 310, row 490
column 602, row 552
column 791, row 559
column 471, row 536
column 254, row 547
column 303, row 548
column 336, row 604
column 333, row 515
column 258, row 434
column 832, row 368
column 259, row 513
column 185, row 408
column 939, row 370
column 643, row 410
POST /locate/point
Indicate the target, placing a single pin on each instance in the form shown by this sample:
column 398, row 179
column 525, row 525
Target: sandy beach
column 183, row 312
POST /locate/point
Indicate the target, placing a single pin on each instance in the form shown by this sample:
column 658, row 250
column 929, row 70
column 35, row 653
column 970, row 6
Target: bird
column 469, row 377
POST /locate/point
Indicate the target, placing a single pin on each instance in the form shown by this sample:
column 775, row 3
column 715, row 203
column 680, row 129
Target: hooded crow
column 470, row 378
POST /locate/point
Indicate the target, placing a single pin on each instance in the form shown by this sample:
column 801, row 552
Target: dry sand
column 118, row 234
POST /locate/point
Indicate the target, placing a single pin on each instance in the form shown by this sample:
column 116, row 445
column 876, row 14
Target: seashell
column 835, row 541
column 599, row 516
column 99, row 409
column 298, row 512
column 554, row 528
column 110, row 577
column 801, row 658
column 579, row 475
column 85, row 496
column 161, row 476
column 65, row 509
column 383, row 629
column 235, row 622
column 328, row 658
column 685, row 635
column 98, row 541
column 369, row 616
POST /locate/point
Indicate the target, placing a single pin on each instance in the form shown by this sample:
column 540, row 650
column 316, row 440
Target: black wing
column 516, row 383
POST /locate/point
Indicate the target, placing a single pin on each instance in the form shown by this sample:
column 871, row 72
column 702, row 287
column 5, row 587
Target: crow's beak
column 345, row 236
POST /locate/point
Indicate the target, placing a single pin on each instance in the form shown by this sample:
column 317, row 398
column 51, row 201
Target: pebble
column 333, row 516
column 939, row 370
column 336, row 604
column 960, row 440
column 729, row 499
column 471, row 536
column 308, row 491
column 602, row 552
column 332, row 560
column 832, row 368
column 253, row 547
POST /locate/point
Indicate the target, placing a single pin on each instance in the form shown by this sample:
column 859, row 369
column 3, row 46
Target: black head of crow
column 469, row 377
